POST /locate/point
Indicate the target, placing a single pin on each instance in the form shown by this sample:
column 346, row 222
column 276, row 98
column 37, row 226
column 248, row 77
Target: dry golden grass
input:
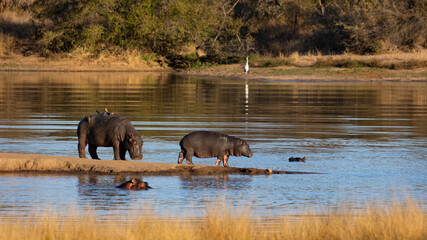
column 397, row 60
column 7, row 45
column 116, row 60
column 397, row 221
column 16, row 30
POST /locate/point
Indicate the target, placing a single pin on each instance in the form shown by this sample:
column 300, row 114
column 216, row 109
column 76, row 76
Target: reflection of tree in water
column 307, row 107
column 165, row 94
column 221, row 181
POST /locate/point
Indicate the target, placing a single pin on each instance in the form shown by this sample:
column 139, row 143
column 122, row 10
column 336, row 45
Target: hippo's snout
column 135, row 151
column 248, row 154
column 137, row 157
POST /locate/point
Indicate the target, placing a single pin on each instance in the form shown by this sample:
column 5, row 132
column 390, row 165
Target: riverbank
column 17, row 162
column 345, row 67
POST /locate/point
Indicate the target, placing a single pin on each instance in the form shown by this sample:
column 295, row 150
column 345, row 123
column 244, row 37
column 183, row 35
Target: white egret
column 247, row 65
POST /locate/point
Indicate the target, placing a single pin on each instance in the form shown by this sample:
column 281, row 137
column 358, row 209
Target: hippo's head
column 134, row 144
column 129, row 184
column 242, row 148
column 142, row 185
column 135, row 184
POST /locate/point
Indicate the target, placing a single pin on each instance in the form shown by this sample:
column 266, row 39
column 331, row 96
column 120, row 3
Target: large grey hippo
column 109, row 130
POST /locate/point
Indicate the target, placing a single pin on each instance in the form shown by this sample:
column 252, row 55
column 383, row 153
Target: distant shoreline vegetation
column 184, row 33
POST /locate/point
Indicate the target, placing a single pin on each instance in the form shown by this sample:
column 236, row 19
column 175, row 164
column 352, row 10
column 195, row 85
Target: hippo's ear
column 129, row 134
column 243, row 142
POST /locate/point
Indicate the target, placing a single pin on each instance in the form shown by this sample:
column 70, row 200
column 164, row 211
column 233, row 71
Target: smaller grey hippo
column 205, row 144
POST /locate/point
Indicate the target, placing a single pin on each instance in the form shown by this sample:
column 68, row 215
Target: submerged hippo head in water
column 134, row 184
column 205, row 144
column 109, row 130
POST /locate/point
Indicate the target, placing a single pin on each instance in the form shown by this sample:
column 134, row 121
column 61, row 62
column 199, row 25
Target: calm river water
column 369, row 138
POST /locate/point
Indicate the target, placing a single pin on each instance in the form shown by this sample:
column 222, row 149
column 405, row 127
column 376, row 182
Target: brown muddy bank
column 16, row 162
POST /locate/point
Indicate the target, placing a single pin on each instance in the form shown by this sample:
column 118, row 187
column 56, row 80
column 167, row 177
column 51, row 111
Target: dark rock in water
column 296, row 159
column 134, row 184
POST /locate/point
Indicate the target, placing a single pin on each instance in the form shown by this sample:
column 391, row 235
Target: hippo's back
column 102, row 129
column 200, row 137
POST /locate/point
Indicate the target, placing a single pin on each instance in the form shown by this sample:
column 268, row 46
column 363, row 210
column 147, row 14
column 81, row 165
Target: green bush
column 227, row 29
column 160, row 26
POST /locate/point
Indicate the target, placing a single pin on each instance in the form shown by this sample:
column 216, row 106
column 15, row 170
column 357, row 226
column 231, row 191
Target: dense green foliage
column 231, row 27
column 160, row 26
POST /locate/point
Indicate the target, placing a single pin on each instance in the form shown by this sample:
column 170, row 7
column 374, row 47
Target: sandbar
column 18, row 162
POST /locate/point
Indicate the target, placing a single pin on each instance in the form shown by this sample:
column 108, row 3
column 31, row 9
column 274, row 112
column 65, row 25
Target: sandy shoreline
column 17, row 162
column 310, row 74
column 302, row 69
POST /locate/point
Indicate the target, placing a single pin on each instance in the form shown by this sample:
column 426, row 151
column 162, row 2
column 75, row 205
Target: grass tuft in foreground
column 396, row 221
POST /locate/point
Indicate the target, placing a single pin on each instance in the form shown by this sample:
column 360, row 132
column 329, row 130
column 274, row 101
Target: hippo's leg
column 189, row 156
column 221, row 158
column 122, row 153
column 82, row 146
column 116, row 150
column 225, row 163
column 82, row 130
column 92, row 151
column 181, row 157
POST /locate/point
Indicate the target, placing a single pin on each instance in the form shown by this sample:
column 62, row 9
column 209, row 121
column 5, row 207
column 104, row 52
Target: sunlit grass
column 7, row 45
column 392, row 61
column 15, row 29
column 395, row 221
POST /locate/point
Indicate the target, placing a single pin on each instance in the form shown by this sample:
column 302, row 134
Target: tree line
column 230, row 27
